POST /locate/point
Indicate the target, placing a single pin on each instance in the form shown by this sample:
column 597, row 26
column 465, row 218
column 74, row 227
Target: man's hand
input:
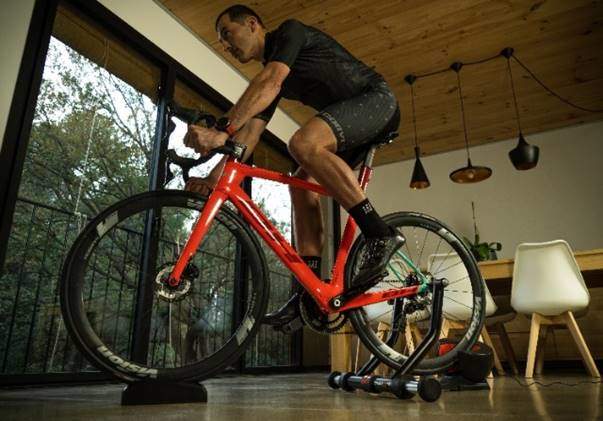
column 202, row 186
column 203, row 140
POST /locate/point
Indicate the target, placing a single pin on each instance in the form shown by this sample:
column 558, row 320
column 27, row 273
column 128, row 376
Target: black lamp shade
column 524, row 156
column 419, row 178
column 470, row 174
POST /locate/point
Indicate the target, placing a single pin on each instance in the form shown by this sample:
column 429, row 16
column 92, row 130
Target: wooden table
column 498, row 273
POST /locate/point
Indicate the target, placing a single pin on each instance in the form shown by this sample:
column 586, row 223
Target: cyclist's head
column 239, row 31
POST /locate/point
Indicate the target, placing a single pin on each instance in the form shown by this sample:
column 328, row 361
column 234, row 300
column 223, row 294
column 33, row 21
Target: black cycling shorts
column 363, row 119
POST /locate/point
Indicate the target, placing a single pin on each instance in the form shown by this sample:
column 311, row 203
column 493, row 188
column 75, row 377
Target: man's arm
column 260, row 93
column 249, row 135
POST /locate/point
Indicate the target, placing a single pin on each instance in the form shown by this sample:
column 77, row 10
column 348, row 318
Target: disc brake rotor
column 166, row 292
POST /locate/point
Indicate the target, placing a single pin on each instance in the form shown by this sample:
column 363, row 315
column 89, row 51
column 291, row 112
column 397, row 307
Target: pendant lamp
column 419, row 178
column 470, row 173
column 524, row 156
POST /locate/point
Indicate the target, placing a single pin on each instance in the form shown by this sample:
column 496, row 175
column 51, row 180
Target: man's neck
column 259, row 55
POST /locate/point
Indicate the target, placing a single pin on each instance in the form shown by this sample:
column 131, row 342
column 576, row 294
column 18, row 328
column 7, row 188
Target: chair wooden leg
column 410, row 342
column 341, row 350
column 506, row 343
column 541, row 350
column 533, row 345
column 382, row 329
column 416, row 332
column 488, row 341
column 582, row 347
column 357, row 355
column 445, row 328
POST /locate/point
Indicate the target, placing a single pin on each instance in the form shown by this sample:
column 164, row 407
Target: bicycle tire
column 358, row 317
column 101, row 353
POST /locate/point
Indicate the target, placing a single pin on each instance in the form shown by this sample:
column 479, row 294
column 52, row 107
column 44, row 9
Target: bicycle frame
column 228, row 188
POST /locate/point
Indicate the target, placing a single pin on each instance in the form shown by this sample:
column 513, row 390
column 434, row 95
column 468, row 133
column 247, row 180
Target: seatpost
column 370, row 155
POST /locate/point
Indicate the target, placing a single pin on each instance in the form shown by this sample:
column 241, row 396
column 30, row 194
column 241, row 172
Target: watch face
column 222, row 123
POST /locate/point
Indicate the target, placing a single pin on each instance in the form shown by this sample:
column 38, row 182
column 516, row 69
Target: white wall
column 14, row 24
column 561, row 198
column 152, row 21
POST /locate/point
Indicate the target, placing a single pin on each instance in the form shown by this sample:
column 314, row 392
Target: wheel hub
column 166, row 291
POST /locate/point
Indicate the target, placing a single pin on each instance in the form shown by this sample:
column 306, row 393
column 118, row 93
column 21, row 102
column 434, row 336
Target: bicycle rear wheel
column 438, row 253
column 134, row 325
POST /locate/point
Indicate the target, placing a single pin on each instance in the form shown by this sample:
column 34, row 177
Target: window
column 187, row 97
column 91, row 144
column 271, row 348
column 93, row 141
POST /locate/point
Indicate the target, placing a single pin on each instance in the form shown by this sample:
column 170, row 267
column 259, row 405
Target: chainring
column 316, row 320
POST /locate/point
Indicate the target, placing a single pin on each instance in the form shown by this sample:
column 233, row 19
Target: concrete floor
column 307, row 397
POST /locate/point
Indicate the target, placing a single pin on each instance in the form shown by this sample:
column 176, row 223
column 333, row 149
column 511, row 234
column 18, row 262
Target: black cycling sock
column 369, row 221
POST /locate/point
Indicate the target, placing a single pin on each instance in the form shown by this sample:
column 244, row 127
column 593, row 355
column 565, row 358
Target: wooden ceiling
column 556, row 39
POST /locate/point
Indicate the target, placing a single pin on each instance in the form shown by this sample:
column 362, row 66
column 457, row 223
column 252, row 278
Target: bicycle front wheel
column 125, row 317
column 436, row 253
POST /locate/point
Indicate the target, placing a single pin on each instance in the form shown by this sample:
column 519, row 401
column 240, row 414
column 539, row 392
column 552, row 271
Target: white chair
column 548, row 285
column 458, row 299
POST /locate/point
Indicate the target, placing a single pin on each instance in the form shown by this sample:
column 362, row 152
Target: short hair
column 238, row 13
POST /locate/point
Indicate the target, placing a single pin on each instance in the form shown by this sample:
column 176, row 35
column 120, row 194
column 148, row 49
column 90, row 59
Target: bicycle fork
column 211, row 208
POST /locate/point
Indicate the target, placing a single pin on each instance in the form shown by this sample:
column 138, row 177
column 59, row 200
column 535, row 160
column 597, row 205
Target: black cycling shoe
column 287, row 313
column 377, row 253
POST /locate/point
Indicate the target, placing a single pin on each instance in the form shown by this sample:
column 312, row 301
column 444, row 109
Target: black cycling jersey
column 352, row 98
column 322, row 71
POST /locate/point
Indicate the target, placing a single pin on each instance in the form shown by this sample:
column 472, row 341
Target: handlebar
column 196, row 117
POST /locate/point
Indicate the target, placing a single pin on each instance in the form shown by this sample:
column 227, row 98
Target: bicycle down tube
column 228, row 188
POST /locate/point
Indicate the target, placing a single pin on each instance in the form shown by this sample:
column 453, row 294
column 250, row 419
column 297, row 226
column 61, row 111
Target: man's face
column 237, row 38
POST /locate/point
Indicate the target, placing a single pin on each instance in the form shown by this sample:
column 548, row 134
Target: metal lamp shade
column 419, row 178
column 470, row 174
column 524, row 156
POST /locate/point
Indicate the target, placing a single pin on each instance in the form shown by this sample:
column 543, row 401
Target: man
column 356, row 107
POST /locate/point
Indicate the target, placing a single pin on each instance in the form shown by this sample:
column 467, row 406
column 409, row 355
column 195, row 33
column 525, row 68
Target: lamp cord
column 458, row 78
column 414, row 113
column 514, row 96
column 549, row 90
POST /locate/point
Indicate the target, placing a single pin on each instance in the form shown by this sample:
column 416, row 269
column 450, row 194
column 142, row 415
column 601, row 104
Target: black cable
column 549, row 90
column 458, row 79
column 469, row 63
column 534, row 382
column 414, row 113
column 514, row 96
column 590, row 110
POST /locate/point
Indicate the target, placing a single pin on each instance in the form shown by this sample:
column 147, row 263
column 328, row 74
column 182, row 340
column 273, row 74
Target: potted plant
column 481, row 251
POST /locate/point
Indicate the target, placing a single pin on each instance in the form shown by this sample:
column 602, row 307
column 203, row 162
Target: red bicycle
column 153, row 288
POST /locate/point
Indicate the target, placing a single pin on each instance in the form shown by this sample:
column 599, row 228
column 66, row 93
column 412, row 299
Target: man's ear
column 253, row 23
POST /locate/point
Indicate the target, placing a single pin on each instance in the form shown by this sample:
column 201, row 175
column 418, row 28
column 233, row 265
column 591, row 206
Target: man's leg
column 308, row 228
column 307, row 218
column 314, row 147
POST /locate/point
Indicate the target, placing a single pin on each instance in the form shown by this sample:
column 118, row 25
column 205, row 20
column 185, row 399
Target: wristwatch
column 223, row 124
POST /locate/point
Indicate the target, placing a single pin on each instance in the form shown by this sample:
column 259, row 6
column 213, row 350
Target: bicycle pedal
column 290, row 327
